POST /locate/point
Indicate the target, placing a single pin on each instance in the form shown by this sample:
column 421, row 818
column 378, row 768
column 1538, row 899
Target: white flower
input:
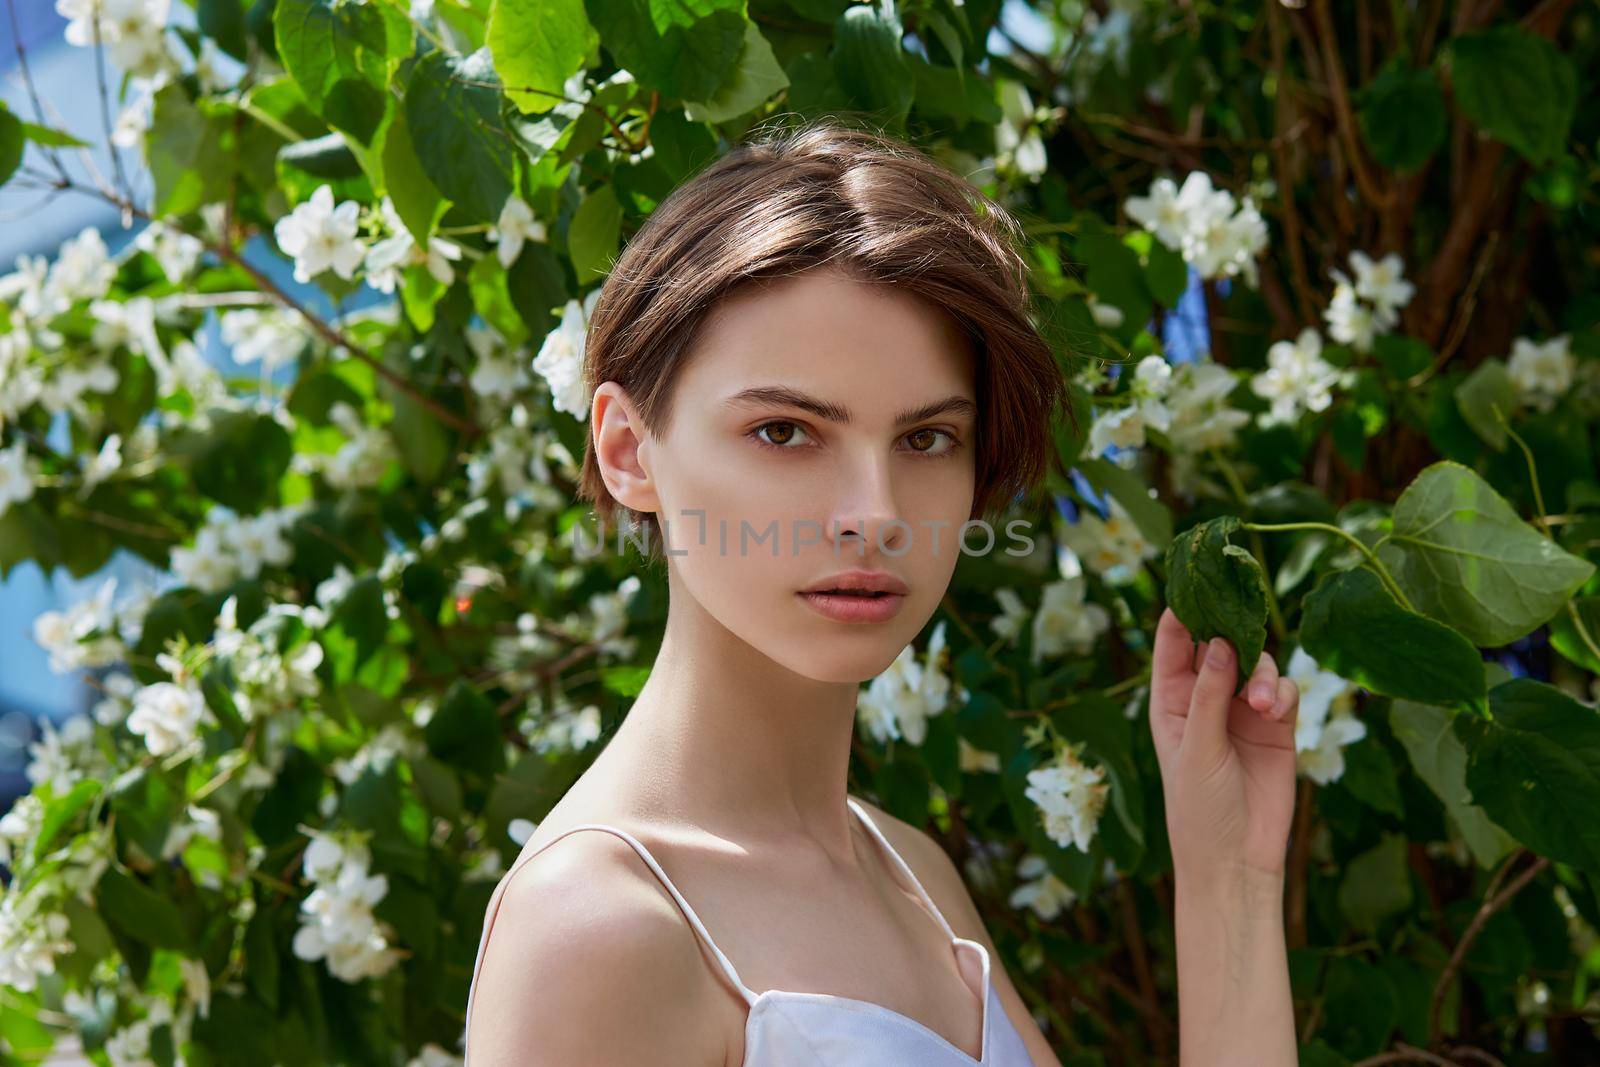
column 1065, row 622
column 337, row 923
column 58, row 757
column 497, row 373
column 516, row 226
column 899, row 702
column 1542, row 372
column 1215, row 235
column 1070, row 795
column 1113, row 548
column 1382, row 285
column 386, row 259
column 560, row 358
column 167, row 715
column 270, row 335
column 1325, row 722
column 84, row 635
column 972, row 759
column 104, row 463
column 1106, row 316
column 1014, row 615
column 173, row 250
column 83, row 269
column 1040, row 890
column 1297, row 378
column 1017, row 136
column 320, row 236
column 432, row 1055
column 18, row 473
column 134, row 121
column 30, row 940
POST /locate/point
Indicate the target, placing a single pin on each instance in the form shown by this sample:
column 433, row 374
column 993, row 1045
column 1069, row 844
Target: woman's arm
column 1234, row 1005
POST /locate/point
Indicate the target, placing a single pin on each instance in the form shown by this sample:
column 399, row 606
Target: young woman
column 810, row 367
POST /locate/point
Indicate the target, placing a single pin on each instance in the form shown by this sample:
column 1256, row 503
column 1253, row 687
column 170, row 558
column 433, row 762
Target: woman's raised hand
column 1227, row 762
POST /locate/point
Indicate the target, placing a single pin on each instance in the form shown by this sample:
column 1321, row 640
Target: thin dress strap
column 644, row 854
column 905, row 867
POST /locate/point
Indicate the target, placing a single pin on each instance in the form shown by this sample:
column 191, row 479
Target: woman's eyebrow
column 784, row 396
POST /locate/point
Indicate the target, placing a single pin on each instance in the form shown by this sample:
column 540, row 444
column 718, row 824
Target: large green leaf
column 1487, row 389
column 338, row 52
column 140, row 912
column 1354, row 628
column 1376, row 884
column 756, row 77
column 537, row 45
column 1216, row 588
column 1464, row 557
column 684, row 48
column 1534, row 766
column 594, row 234
column 415, row 198
column 1516, row 86
column 185, row 154
column 453, row 112
column 1440, row 760
column 870, row 64
column 1403, row 117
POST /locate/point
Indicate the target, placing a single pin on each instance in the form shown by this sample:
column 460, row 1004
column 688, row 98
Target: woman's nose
column 866, row 510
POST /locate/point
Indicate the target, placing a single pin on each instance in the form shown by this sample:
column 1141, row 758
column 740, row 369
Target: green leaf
column 61, row 812
column 1534, row 766
column 337, row 51
column 465, row 731
column 1354, row 628
column 11, row 141
column 1217, row 589
column 870, row 63
column 453, row 113
column 1464, row 557
column 1564, row 637
column 239, row 459
column 51, row 138
column 683, row 48
column 1361, row 1006
column 537, row 45
column 1403, row 117
column 223, row 21
column 140, row 912
column 593, row 236
column 1376, row 884
column 757, row 76
column 1487, row 388
column 185, row 154
column 1517, row 87
column 1440, row 760
column 416, row 199
column 323, row 157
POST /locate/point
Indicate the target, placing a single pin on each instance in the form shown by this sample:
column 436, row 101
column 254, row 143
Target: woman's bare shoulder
column 589, row 961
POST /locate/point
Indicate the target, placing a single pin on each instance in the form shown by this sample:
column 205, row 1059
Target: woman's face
column 821, row 425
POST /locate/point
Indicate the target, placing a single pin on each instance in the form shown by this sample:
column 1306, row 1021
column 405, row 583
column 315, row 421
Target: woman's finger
column 1262, row 688
column 1205, row 734
column 1287, row 704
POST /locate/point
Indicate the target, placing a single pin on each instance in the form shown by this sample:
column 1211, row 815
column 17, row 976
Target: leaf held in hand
column 1217, row 589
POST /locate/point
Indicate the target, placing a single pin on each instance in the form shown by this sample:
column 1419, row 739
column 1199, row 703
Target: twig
column 1492, row 902
column 1334, row 69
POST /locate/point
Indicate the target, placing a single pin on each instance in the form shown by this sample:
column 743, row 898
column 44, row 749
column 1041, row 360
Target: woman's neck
column 724, row 738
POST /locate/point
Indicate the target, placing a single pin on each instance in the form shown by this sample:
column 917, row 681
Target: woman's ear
column 619, row 437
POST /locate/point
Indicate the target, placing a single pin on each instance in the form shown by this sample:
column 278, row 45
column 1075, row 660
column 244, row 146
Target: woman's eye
column 782, row 434
column 927, row 441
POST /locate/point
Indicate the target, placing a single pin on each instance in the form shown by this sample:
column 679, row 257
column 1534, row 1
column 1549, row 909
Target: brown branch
column 1299, row 861
column 1304, row 298
column 1141, row 959
column 1492, row 902
column 1380, row 198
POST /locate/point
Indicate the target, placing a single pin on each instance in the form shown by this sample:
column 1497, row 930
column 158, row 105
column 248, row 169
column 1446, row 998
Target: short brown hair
column 860, row 201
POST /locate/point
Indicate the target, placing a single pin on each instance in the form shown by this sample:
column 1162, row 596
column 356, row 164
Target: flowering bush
column 1324, row 285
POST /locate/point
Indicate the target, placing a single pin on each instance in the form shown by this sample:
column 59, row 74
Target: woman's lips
column 854, row 607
